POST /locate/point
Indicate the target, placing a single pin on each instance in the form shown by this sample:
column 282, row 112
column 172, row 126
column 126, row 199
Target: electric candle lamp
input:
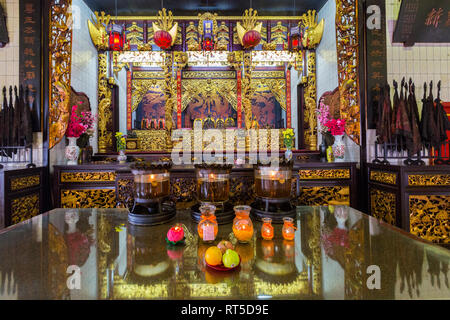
column 288, row 229
column 242, row 224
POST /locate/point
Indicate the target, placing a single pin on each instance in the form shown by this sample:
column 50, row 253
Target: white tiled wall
column 9, row 55
column 84, row 69
column 122, row 84
column 422, row 62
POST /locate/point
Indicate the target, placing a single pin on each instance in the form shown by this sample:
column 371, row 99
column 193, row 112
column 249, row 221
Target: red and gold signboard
column 239, row 99
column 129, row 111
column 179, row 99
column 288, row 98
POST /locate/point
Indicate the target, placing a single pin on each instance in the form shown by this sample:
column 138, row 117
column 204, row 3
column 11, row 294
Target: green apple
column 230, row 258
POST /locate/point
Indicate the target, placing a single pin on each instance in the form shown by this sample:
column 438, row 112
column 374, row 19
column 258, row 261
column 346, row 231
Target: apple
column 224, row 245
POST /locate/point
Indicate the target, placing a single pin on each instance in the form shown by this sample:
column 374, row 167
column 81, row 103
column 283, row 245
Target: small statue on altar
column 208, row 123
column 220, row 124
column 145, row 123
column 255, row 124
column 153, row 124
column 161, row 123
column 229, row 123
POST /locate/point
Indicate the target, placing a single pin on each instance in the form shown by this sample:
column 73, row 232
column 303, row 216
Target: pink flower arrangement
column 79, row 125
column 323, row 114
column 336, row 126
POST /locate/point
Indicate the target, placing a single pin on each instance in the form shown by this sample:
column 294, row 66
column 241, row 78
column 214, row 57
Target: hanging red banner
column 239, row 100
column 178, row 99
column 288, row 98
column 129, row 111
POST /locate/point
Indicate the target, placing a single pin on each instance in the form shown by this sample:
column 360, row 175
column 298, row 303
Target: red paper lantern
column 163, row 39
column 251, row 39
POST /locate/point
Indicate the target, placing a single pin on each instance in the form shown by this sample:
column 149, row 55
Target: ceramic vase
column 72, row 151
column 338, row 148
column 122, row 158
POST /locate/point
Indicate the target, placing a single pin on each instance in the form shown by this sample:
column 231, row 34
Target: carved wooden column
column 60, row 57
column 105, row 134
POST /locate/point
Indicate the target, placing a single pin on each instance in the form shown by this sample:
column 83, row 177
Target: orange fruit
column 213, row 256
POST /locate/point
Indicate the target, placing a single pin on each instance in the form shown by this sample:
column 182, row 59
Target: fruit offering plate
column 221, row 267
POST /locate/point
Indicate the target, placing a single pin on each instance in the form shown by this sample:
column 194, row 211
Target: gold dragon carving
column 429, row 180
column 24, row 208
column 311, row 40
column 247, row 90
column 60, row 48
column 347, row 56
column 99, row 37
column 383, row 177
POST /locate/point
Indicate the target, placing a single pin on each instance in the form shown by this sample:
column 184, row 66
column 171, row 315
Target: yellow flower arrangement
column 120, row 141
column 288, row 136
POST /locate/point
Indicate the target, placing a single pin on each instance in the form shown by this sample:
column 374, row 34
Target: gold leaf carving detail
column 25, row 182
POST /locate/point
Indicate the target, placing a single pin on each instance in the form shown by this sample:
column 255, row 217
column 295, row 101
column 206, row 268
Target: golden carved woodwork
column 429, row 180
column 208, row 89
column 125, row 193
column 170, row 93
column 249, row 22
column 165, row 22
column 324, row 195
column 25, row 182
column 24, row 208
column 135, row 34
column 276, row 86
column 142, row 86
column 88, row 198
column 132, row 144
column 209, row 74
column 192, row 37
column 208, row 16
column 148, row 75
column 58, row 261
column 105, row 134
column 295, row 287
column 60, row 57
column 278, row 34
column 223, row 37
column 314, row 31
column 354, row 268
column 347, row 55
column 318, row 174
column 383, row 205
column 429, row 217
column 247, row 90
column 104, row 229
column 383, row 177
column 88, row 176
column 97, row 30
column 314, row 243
column 242, row 190
column 183, row 191
column 310, row 96
column 152, row 140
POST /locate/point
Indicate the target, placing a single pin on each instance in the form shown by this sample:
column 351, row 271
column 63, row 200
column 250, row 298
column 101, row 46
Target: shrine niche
column 223, row 72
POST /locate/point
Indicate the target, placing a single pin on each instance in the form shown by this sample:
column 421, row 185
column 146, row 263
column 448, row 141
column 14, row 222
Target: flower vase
column 338, row 148
column 72, row 151
column 288, row 154
column 122, row 158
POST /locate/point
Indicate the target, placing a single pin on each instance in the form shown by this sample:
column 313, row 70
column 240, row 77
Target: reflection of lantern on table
column 273, row 192
column 146, row 262
column 151, row 191
column 213, row 187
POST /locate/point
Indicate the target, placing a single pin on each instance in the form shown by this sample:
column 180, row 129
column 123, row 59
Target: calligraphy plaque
column 30, row 50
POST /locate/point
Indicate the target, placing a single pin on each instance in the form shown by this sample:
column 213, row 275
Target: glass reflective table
column 338, row 253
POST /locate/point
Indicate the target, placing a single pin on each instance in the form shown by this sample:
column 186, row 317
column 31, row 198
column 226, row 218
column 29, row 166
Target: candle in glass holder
column 274, row 183
column 242, row 224
column 213, row 185
column 208, row 226
column 267, row 229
